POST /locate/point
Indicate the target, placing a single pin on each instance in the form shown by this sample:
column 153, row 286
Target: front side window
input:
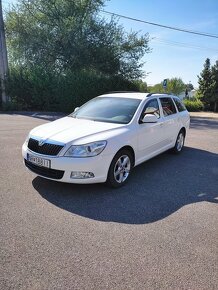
column 180, row 106
column 152, row 107
column 168, row 106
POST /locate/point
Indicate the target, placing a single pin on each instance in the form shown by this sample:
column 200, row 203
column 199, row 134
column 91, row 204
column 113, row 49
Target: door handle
column 161, row 124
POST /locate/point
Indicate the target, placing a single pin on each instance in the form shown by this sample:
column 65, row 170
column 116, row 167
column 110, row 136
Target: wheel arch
column 131, row 150
column 183, row 129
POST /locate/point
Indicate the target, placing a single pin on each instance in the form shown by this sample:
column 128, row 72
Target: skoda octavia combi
column 106, row 137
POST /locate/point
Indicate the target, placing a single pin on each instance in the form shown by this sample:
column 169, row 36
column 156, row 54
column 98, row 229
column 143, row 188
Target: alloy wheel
column 122, row 168
column 180, row 142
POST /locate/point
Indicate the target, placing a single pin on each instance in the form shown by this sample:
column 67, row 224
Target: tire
column 120, row 169
column 179, row 142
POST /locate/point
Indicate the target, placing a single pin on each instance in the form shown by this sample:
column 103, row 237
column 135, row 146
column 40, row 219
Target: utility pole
column 3, row 58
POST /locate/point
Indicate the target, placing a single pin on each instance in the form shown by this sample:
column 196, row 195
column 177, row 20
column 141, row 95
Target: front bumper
column 98, row 165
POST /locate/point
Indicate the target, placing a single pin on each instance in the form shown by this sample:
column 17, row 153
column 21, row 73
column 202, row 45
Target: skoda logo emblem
column 41, row 142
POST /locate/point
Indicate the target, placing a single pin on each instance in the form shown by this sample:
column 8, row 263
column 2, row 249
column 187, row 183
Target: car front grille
column 43, row 171
column 45, row 149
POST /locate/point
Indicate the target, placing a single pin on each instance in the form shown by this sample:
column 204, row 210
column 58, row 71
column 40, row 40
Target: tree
column 174, row 86
column 142, row 86
column 63, row 35
column 189, row 87
column 214, row 86
column 205, row 83
column 63, row 53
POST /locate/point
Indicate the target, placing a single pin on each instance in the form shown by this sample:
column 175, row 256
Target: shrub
column 36, row 89
column 194, row 105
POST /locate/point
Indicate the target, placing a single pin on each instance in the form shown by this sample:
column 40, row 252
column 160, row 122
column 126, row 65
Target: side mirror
column 149, row 118
column 76, row 109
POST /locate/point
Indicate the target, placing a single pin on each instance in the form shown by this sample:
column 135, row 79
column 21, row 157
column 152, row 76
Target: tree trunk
column 215, row 106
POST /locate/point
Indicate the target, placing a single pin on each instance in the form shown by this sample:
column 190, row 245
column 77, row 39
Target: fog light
column 81, row 175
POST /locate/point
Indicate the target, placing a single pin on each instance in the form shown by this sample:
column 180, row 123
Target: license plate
column 39, row 161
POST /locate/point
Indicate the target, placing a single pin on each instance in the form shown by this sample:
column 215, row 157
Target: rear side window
column 180, row 106
column 168, row 106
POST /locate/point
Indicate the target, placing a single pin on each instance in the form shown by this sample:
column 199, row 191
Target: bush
column 11, row 106
column 194, row 105
column 36, row 89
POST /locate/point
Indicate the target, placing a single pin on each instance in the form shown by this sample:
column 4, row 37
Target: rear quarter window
column 180, row 106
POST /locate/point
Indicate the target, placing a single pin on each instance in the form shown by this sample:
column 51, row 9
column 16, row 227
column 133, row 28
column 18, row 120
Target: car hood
column 69, row 129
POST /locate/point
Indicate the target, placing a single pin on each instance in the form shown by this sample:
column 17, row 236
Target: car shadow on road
column 156, row 189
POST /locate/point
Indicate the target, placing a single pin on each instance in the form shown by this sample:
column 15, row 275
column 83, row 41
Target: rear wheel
column 179, row 142
column 120, row 169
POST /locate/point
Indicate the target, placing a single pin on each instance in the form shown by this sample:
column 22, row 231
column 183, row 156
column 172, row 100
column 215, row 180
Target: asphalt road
column 160, row 231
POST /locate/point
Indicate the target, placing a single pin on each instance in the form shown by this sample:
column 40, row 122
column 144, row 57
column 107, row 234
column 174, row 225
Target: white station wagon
column 105, row 138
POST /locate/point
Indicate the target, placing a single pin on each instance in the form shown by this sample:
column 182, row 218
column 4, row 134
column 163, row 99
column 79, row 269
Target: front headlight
column 87, row 150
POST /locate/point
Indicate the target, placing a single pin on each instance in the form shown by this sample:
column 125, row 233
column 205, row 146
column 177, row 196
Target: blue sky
column 168, row 58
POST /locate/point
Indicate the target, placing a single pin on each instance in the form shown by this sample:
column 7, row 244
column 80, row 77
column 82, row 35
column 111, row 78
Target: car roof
column 134, row 95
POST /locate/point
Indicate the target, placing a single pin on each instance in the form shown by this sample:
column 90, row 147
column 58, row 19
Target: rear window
column 180, row 106
column 168, row 106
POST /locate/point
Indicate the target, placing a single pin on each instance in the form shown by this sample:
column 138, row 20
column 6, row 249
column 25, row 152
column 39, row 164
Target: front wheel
column 120, row 168
column 179, row 142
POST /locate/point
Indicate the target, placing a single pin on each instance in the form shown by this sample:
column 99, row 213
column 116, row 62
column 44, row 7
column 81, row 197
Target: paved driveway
column 160, row 231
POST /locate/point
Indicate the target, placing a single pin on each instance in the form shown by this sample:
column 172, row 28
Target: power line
column 182, row 44
column 161, row 25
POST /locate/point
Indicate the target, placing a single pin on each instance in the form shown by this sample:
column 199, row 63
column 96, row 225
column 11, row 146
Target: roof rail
column 114, row 92
column 150, row 94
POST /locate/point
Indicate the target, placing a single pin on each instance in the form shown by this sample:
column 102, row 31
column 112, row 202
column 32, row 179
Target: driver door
column 150, row 135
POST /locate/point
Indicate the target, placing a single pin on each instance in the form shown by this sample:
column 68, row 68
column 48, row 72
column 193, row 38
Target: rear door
column 184, row 117
column 170, row 119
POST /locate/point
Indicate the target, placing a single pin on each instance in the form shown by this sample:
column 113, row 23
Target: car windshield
column 108, row 109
